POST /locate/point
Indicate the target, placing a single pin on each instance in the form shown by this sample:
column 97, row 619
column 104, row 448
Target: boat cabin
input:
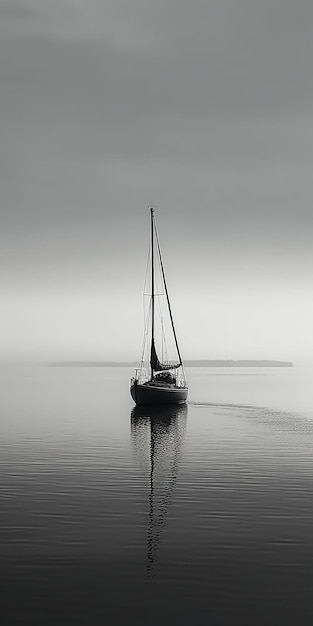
column 163, row 378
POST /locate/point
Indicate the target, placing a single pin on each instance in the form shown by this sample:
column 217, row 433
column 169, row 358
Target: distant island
column 190, row 363
column 240, row 363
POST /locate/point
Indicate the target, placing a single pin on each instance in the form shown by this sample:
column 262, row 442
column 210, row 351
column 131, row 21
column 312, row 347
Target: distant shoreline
column 187, row 363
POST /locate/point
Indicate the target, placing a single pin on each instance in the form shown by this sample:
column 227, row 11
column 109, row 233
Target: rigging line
column 163, row 337
column 145, row 335
column 164, row 347
column 145, row 311
column 160, row 305
column 147, row 267
column 145, row 307
column 167, row 296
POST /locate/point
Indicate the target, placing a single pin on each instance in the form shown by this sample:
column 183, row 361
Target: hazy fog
column 200, row 109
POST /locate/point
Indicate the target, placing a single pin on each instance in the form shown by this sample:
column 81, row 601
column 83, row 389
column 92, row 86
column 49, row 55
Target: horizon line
column 187, row 363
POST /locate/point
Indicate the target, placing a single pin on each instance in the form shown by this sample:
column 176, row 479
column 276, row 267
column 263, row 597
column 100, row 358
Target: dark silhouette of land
column 240, row 363
column 187, row 363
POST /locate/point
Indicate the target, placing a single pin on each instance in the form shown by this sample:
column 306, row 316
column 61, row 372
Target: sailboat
column 158, row 381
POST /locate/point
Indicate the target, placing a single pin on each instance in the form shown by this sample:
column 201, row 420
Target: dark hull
column 145, row 394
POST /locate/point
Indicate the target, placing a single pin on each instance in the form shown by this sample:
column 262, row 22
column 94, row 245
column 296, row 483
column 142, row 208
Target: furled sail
column 157, row 366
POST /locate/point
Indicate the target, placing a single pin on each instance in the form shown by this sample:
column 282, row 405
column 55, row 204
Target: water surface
column 198, row 514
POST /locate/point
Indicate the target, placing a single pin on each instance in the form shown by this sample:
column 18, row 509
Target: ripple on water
column 224, row 518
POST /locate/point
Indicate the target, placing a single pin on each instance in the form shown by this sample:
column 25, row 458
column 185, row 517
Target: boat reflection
column 157, row 434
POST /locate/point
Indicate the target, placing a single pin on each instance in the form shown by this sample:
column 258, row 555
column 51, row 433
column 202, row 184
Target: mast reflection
column 157, row 434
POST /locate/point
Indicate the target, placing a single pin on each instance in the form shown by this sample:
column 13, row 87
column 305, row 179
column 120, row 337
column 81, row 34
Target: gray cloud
column 16, row 10
column 204, row 109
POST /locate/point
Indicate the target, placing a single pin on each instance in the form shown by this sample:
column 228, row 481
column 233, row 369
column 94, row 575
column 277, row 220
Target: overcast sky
column 201, row 109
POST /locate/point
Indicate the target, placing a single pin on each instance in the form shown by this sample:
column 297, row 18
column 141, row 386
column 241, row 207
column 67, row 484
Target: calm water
column 201, row 514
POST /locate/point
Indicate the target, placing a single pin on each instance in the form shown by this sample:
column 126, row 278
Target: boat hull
column 146, row 394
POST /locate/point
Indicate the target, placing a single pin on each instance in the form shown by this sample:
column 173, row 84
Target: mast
column 152, row 283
